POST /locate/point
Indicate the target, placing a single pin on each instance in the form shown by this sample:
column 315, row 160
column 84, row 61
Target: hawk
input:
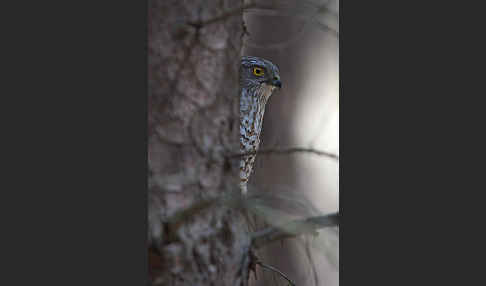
column 258, row 80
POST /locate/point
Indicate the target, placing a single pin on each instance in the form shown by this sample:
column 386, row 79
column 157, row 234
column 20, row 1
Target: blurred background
column 302, row 38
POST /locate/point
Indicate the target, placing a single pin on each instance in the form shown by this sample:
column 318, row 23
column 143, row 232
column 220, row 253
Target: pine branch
column 293, row 229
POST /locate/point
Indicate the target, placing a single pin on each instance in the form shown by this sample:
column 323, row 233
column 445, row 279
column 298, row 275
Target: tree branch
column 275, row 270
column 223, row 16
column 289, row 150
column 293, row 229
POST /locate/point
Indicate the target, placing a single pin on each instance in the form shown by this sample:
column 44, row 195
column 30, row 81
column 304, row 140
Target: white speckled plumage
column 255, row 92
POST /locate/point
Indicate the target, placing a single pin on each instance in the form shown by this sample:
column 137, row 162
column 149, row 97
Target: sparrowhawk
column 258, row 80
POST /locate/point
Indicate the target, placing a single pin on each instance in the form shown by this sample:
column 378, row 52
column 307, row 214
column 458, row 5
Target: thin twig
column 275, row 270
column 311, row 261
column 293, row 229
column 297, row 150
column 289, row 151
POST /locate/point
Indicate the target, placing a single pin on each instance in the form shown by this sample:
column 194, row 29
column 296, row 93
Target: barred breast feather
column 252, row 109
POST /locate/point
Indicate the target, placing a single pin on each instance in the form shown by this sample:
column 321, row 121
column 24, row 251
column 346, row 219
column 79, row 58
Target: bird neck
column 252, row 109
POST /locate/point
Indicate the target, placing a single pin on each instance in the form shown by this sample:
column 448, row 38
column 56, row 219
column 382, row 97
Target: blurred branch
column 227, row 14
column 263, row 265
column 223, row 16
column 298, row 150
column 293, row 229
column 290, row 150
column 328, row 16
column 231, row 200
column 307, row 11
column 312, row 264
column 325, row 27
column 282, row 45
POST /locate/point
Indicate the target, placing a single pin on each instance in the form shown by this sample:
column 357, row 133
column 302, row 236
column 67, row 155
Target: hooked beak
column 276, row 82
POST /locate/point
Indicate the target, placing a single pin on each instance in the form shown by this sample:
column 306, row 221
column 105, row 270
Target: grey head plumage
column 271, row 73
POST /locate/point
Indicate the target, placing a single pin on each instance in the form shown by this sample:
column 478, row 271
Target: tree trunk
column 194, row 56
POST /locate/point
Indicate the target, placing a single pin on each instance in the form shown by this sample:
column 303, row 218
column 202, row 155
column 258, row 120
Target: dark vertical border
column 404, row 175
column 74, row 210
column 120, row 77
column 364, row 245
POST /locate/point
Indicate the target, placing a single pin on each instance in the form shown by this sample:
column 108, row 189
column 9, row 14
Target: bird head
column 257, row 72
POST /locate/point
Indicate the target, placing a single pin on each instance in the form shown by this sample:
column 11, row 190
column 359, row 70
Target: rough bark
column 193, row 125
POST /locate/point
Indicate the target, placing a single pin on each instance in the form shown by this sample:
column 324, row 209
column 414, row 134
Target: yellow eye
column 258, row 71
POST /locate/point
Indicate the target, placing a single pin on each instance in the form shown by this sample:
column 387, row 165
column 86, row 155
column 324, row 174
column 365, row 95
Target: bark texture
column 193, row 126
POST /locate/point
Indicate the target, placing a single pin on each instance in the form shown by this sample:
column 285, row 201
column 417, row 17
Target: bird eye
column 258, row 71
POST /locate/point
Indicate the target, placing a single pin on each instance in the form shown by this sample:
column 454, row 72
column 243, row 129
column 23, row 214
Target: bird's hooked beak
column 276, row 82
